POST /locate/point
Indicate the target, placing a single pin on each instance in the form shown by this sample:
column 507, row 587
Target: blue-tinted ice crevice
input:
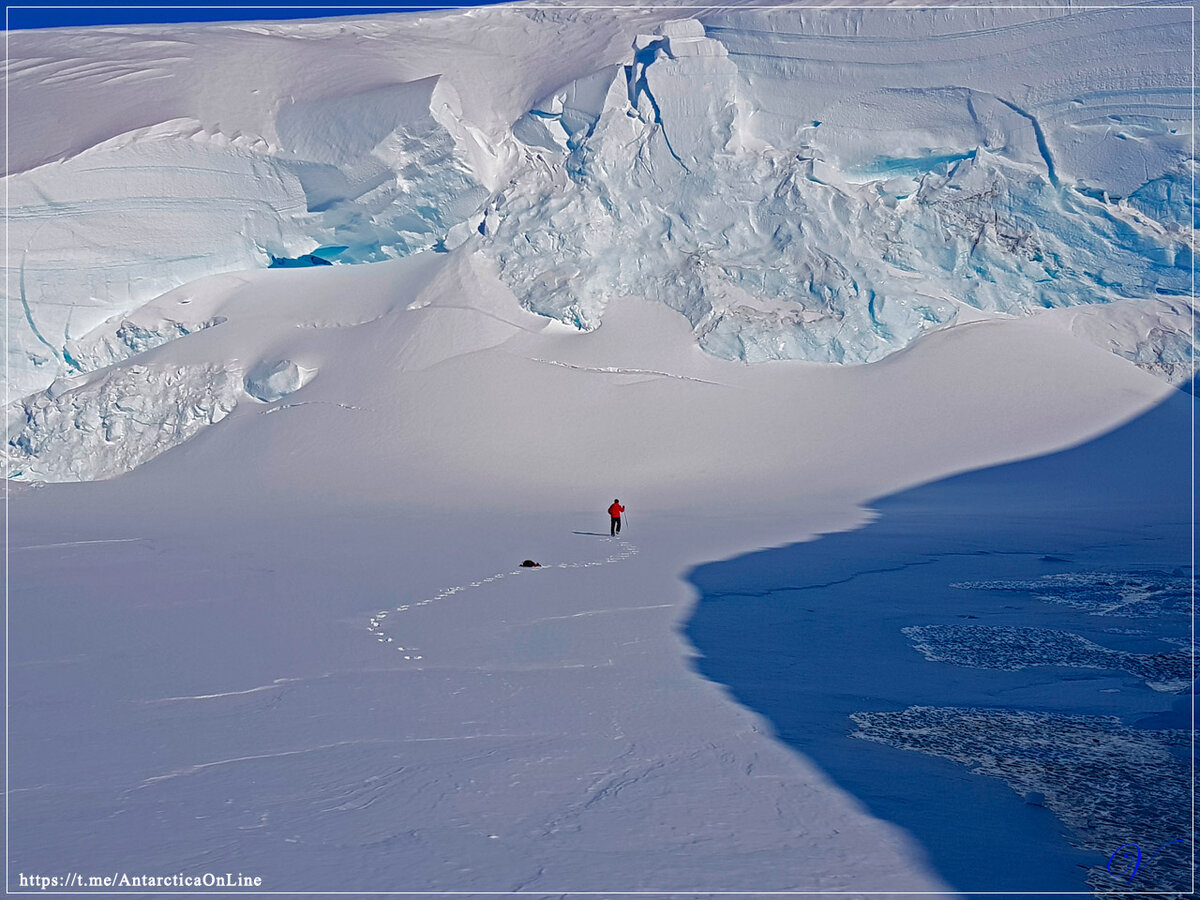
column 1043, row 149
column 780, row 240
column 356, row 178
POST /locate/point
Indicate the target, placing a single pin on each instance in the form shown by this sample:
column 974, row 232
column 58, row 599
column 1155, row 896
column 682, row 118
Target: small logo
column 1128, row 858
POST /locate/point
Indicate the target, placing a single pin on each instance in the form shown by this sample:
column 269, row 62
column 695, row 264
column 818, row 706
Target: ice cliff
column 843, row 236
column 823, row 185
column 375, row 175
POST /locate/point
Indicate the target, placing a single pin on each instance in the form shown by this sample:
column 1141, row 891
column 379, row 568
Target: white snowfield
column 299, row 645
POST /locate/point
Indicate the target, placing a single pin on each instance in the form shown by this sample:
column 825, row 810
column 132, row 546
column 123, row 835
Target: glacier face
column 375, row 175
column 801, row 184
column 107, row 423
column 833, row 241
column 813, row 184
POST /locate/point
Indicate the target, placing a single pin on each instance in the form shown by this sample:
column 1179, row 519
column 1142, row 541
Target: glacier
column 787, row 240
column 799, row 184
column 98, row 235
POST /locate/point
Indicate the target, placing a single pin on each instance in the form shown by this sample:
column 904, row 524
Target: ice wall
column 813, row 184
column 836, row 190
column 373, row 175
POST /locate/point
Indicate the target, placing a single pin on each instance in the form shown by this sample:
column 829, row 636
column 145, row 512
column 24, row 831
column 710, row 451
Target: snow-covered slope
column 149, row 157
column 825, row 185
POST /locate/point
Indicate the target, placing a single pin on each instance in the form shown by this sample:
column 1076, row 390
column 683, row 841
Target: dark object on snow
column 530, row 564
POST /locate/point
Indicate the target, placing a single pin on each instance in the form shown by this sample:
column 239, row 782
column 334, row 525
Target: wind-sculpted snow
column 1110, row 783
column 1013, row 648
column 788, row 250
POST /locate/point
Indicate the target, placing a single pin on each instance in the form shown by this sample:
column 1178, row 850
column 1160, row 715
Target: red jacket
column 615, row 510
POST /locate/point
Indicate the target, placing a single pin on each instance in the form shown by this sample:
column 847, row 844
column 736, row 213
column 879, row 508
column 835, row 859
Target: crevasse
column 785, row 251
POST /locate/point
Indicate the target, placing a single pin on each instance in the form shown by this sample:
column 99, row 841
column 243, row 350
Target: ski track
column 275, row 409
column 273, row 686
column 63, row 544
column 599, row 612
column 383, row 636
column 618, row 370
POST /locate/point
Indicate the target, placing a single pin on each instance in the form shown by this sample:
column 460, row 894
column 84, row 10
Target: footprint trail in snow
column 383, row 635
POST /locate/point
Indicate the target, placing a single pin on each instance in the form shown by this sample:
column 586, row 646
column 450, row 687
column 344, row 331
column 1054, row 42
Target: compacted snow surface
column 316, row 330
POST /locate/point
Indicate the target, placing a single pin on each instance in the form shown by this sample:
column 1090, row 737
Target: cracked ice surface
column 779, row 249
column 98, row 426
column 377, row 175
column 1138, row 594
column 1018, row 647
column 1108, row 782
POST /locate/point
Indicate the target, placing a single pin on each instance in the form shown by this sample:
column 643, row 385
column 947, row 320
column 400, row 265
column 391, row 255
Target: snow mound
column 271, row 381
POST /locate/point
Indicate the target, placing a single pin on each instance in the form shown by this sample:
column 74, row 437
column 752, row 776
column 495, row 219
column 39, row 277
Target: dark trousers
column 615, row 528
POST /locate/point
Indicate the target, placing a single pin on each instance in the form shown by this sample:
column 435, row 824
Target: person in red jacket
column 614, row 513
